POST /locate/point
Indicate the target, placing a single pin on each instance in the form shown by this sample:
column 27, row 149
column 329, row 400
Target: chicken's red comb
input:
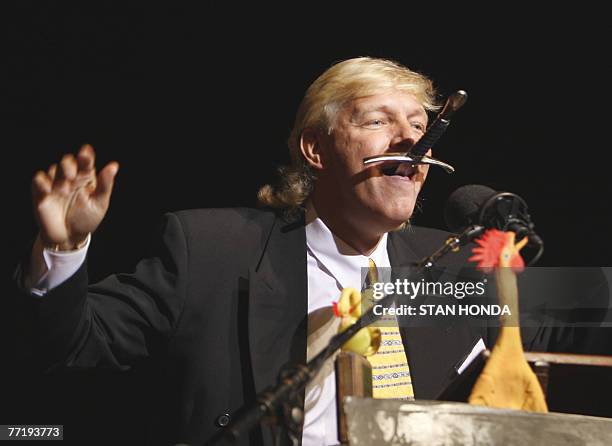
column 489, row 250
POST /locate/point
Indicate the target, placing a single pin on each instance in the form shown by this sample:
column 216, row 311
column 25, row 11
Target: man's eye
column 375, row 123
column 419, row 126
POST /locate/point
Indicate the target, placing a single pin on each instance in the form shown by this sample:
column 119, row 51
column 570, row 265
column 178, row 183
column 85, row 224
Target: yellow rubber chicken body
column 367, row 340
column 507, row 380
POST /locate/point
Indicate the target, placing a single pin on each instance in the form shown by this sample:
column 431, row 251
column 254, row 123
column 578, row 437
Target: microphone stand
column 293, row 378
column 453, row 243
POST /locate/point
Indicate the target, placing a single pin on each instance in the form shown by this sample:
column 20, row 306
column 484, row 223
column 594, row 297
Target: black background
column 196, row 104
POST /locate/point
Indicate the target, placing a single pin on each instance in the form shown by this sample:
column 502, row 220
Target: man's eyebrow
column 383, row 108
column 387, row 109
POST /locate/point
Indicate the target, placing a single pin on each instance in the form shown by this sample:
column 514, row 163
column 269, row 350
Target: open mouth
column 404, row 170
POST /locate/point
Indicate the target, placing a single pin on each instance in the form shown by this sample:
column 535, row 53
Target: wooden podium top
column 392, row 422
column 569, row 358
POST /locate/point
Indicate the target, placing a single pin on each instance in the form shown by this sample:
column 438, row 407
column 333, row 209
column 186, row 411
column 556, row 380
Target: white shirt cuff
column 61, row 265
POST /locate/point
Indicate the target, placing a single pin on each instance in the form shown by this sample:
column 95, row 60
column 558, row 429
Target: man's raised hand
column 70, row 200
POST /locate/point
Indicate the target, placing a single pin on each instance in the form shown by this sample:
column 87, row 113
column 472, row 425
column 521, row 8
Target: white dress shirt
column 332, row 265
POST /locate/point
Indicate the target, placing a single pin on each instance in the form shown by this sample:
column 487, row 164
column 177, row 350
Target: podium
column 392, row 422
column 577, row 390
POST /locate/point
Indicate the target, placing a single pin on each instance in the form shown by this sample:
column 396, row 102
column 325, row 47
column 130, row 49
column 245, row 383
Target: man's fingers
column 86, row 159
column 86, row 165
column 66, row 170
column 51, row 172
column 106, row 180
column 41, row 185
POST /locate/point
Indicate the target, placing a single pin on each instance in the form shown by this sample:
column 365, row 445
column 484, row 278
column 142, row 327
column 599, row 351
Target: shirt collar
column 342, row 261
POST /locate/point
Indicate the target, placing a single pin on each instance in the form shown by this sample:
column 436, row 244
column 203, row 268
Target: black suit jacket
column 216, row 311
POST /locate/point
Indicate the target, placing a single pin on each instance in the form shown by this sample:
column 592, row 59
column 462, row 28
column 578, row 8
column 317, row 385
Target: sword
column 416, row 155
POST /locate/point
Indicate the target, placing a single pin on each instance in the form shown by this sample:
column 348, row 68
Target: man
column 223, row 303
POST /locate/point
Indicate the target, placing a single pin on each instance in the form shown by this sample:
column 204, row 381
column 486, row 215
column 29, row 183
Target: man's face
column 385, row 194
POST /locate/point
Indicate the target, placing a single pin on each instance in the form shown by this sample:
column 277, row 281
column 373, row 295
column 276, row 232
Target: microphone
column 463, row 206
column 477, row 205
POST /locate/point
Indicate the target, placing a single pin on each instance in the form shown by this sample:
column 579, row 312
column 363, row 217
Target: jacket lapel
column 278, row 303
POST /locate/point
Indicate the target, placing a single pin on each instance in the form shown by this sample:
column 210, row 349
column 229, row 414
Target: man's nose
column 406, row 137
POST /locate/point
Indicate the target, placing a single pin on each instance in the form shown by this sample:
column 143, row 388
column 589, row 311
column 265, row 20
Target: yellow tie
column 390, row 372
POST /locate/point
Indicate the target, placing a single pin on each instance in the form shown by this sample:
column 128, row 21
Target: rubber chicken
column 507, row 380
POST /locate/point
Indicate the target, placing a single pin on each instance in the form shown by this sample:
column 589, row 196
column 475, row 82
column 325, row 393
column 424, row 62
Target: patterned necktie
column 390, row 372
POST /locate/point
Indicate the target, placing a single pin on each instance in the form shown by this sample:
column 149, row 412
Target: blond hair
column 341, row 83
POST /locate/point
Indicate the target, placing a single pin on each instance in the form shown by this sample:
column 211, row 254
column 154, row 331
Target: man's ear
column 310, row 145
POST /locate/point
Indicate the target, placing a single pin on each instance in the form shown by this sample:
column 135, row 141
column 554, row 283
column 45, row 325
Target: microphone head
column 463, row 206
